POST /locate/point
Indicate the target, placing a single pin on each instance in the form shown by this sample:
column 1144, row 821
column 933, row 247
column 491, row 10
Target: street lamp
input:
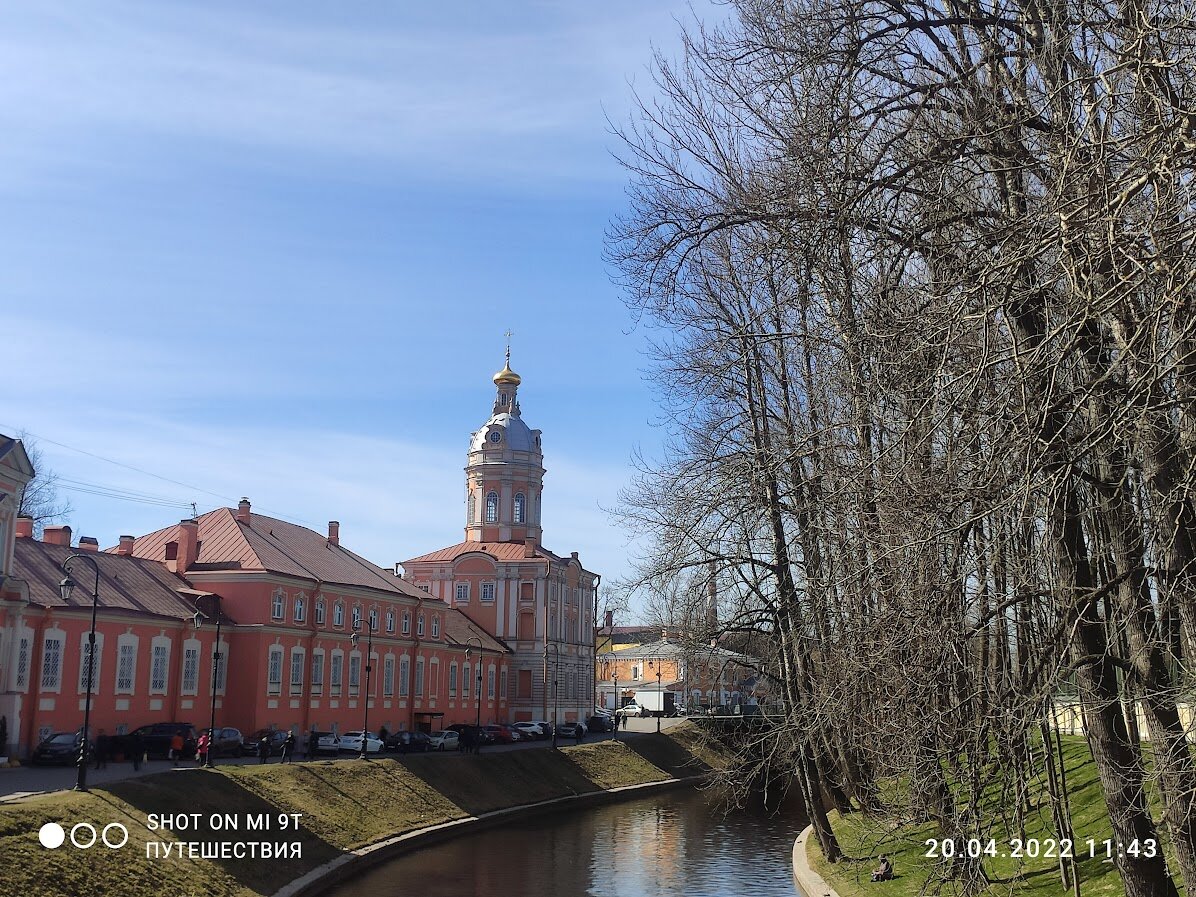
column 65, row 588
column 478, row 693
column 215, row 676
column 615, row 715
column 370, row 629
column 659, row 699
column 556, row 650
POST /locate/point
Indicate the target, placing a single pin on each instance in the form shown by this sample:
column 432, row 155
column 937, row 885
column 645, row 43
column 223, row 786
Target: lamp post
column 369, row 650
column 556, row 650
column 615, row 715
column 215, row 676
column 65, row 588
column 659, row 699
column 478, row 693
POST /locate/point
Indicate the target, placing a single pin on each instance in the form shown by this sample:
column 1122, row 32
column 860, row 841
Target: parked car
column 545, row 726
column 59, row 748
column 530, row 731
column 632, row 709
column 156, row 738
column 276, row 736
column 328, row 743
column 408, row 742
column 479, row 732
column 351, row 741
column 444, row 740
column 569, row 730
column 601, row 724
column 503, row 734
column 227, row 742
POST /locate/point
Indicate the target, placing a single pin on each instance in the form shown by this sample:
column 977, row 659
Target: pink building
column 539, row 603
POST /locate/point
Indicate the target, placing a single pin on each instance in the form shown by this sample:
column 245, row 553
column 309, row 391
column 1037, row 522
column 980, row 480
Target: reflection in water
column 677, row 843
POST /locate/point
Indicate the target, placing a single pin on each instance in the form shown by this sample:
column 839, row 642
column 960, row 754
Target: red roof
column 502, row 551
column 268, row 544
column 126, row 583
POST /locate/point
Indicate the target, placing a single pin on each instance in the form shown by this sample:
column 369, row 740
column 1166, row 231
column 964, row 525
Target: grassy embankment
column 346, row 804
column 864, row 839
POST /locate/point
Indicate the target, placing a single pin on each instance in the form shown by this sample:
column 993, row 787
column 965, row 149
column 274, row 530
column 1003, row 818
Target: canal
column 675, row 844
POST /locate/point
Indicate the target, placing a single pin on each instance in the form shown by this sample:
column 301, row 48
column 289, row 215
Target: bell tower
column 504, row 475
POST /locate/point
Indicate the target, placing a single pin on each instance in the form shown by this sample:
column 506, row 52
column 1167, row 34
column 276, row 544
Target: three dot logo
column 83, row 835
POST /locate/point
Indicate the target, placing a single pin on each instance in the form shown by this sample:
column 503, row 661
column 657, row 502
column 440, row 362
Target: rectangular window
column 435, row 626
column 419, row 626
column 490, row 683
column 320, row 612
column 317, row 673
column 190, row 671
column 354, row 672
column 23, row 664
column 465, row 681
column 452, row 679
column 274, row 672
column 126, row 664
column 462, row 593
column 419, row 676
column 388, row 677
column 337, row 662
column 390, row 621
column 276, row 606
column 158, row 668
column 300, row 610
column 406, row 623
column 487, row 591
column 374, row 620
column 404, row 674
column 52, row 664
column 297, row 672
column 502, row 683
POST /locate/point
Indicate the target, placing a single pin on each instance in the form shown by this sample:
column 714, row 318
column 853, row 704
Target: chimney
column 57, row 535
column 243, row 511
column 529, row 547
column 334, row 532
column 24, row 527
column 609, row 622
column 188, row 544
column 125, row 546
column 89, row 543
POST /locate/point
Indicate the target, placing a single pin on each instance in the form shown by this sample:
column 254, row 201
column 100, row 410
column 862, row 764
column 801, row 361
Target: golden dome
column 506, row 375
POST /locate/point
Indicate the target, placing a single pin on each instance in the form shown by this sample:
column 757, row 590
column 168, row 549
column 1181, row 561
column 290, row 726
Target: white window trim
column 96, row 668
column 319, row 612
column 159, row 641
column 317, row 687
column 128, row 640
column 435, row 626
column 461, row 591
column 300, row 655
column 185, row 687
column 278, row 603
column 53, row 684
column 274, row 686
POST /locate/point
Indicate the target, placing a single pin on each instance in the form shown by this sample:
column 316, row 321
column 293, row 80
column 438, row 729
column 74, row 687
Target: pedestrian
column 101, row 750
column 313, row 743
column 176, row 748
column 263, row 749
column 137, row 749
column 479, row 739
column 203, row 746
column 579, row 731
column 288, row 746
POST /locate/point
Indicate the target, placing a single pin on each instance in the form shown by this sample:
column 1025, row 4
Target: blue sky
column 271, row 250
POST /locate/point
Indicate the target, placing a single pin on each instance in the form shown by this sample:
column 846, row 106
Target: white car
column 351, row 741
column 530, row 730
column 445, row 740
column 632, row 709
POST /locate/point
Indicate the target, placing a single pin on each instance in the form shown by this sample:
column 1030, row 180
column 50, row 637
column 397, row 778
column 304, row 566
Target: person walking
column 313, row 743
column 137, row 749
column 176, row 748
column 203, row 746
column 288, row 747
column 101, row 750
column 263, row 749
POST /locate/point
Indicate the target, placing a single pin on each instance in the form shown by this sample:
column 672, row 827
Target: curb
column 354, row 862
column 808, row 882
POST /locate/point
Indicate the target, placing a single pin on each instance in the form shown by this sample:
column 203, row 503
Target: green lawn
column 864, row 838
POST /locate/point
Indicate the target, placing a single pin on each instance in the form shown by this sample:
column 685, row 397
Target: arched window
column 492, row 507
column 519, row 507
